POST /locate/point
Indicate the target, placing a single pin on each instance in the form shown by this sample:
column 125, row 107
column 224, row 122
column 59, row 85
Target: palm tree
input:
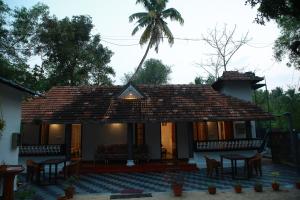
column 154, row 23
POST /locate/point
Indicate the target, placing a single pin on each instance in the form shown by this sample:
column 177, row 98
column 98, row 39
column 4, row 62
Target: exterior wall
column 97, row 134
column 56, row 134
column 10, row 105
column 239, row 89
column 30, row 133
column 182, row 140
column 152, row 139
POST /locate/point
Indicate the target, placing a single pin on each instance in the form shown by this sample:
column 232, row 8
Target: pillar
column 68, row 140
column 190, row 135
column 130, row 161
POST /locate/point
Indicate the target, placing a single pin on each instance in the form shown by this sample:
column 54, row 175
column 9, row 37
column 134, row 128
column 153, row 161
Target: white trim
column 130, row 93
column 130, row 163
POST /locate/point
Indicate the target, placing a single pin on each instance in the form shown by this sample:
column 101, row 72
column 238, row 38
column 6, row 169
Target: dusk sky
column 110, row 19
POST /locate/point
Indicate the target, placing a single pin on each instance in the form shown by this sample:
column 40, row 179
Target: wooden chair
column 255, row 164
column 211, row 165
column 73, row 169
column 33, row 171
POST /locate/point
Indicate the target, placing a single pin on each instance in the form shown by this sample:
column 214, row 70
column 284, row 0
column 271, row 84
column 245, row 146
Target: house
column 11, row 97
column 174, row 121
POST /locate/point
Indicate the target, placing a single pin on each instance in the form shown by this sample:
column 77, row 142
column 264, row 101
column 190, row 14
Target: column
column 130, row 161
column 68, row 137
column 190, row 135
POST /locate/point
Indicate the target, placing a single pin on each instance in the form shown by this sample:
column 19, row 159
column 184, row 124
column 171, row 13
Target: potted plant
column 298, row 184
column 69, row 188
column 258, row 187
column 212, row 189
column 238, row 187
column 275, row 184
column 176, row 180
column 25, row 193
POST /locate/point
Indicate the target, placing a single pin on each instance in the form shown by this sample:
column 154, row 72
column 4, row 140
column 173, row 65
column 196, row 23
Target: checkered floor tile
column 114, row 183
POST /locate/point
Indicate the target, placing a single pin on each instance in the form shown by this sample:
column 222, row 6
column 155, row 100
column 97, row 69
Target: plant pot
column 238, row 189
column 212, row 190
column 62, row 198
column 69, row 192
column 177, row 189
column 298, row 185
column 275, row 186
column 258, row 188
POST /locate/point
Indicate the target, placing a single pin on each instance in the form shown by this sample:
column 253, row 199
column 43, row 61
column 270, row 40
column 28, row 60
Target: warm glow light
column 116, row 125
column 54, row 126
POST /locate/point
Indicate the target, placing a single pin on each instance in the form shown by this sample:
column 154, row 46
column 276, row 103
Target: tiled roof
column 237, row 76
column 16, row 86
column 161, row 103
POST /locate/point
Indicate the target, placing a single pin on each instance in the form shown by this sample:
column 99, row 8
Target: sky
column 110, row 19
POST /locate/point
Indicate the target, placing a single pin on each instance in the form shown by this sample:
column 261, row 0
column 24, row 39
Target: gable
column 130, row 92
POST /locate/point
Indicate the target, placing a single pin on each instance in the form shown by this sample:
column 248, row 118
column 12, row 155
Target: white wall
column 152, row 138
column 182, row 140
column 10, row 102
column 239, row 89
column 97, row 134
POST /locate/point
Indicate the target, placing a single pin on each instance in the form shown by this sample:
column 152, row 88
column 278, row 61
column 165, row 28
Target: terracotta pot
column 62, row 198
column 275, row 186
column 238, row 189
column 298, row 185
column 69, row 192
column 212, row 190
column 177, row 189
column 258, row 188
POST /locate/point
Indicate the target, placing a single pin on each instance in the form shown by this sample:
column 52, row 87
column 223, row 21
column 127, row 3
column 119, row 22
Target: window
column 239, row 130
column 200, row 131
column 212, row 131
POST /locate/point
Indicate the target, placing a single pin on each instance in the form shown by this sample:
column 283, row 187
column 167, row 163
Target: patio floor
column 113, row 183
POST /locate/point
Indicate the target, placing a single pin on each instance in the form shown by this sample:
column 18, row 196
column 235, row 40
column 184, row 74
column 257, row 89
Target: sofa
column 119, row 152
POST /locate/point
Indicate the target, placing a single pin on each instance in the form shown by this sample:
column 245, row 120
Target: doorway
column 168, row 141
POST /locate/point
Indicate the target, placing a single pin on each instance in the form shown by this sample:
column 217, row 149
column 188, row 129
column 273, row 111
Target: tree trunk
column 141, row 63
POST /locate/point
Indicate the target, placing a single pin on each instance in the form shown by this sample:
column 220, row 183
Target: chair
column 72, row 169
column 255, row 163
column 33, row 170
column 211, row 165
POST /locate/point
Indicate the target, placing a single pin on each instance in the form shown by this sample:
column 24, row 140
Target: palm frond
column 167, row 32
column 146, row 3
column 173, row 14
column 146, row 35
column 138, row 15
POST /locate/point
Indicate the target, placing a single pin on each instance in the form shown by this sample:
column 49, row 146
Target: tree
column 153, row 72
column 70, row 54
column 153, row 21
column 199, row 80
column 286, row 13
column 224, row 46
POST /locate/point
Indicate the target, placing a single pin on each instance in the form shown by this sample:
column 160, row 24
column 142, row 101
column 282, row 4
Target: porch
column 101, row 143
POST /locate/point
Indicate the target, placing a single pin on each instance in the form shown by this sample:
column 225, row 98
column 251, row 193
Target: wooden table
column 8, row 173
column 233, row 159
column 50, row 163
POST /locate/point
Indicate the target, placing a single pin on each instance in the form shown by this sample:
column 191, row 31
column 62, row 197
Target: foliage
column 70, row 181
column 2, row 124
column 280, row 102
column 153, row 72
column 25, row 193
column 70, row 54
column 199, row 80
column 154, row 24
column 275, row 175
column 287, row 15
